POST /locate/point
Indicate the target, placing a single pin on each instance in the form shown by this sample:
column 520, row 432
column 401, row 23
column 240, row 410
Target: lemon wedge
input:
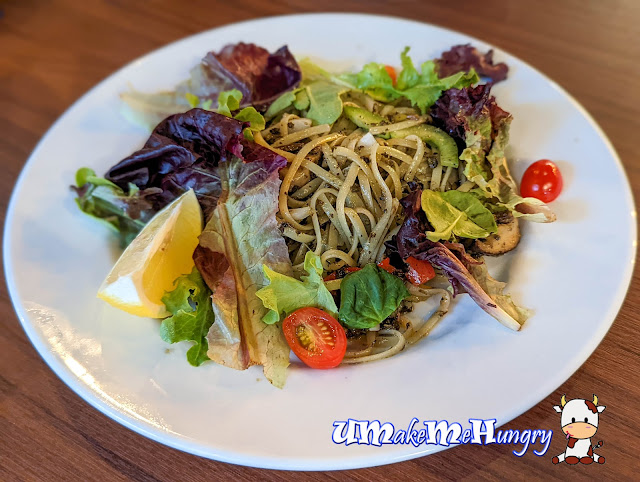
column 155, row 258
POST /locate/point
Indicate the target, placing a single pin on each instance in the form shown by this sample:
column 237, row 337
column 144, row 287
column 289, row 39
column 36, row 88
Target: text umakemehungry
column 432, row 432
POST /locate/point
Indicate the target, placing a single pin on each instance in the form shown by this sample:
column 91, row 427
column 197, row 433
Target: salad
column 277, row 206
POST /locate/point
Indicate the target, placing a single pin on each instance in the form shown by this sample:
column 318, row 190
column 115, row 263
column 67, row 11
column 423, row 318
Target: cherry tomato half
column 419, row 271
column 542, row 180
column 392, row 73
column 315, row 337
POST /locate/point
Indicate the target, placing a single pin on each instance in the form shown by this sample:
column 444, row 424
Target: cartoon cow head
column 579, row 418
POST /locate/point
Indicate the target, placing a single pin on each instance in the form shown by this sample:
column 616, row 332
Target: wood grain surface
column 53, row 51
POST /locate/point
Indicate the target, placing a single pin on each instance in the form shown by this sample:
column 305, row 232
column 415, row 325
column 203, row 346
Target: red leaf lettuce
column 463, row 58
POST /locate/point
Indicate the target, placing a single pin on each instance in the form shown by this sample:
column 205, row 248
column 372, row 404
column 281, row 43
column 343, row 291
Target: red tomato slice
column 315, row 337
column 419, row 271
column 334, row 275
column 385, row 264
column 542, row 180
column 392, row 73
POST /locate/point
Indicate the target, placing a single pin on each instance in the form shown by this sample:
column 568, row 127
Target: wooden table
column 52, row 52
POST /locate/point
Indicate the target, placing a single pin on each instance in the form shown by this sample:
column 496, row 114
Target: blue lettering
column 398, row 437
column 442, row 433
column 352, row 437
column 478, row 430
column 339, row 436
column 411, row 432
column 375, row 433
column 507, row 437
column 370, row 432
column 545, row 438
column 524, row 440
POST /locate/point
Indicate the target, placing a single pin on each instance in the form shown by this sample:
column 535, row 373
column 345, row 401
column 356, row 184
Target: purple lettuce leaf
column 260, row 76
column 442, row 257
column 472, row 109
column 462, row 58
column 184, row 152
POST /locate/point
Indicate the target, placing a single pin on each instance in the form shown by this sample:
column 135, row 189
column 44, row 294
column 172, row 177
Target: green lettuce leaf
column 240, row 237
column 425, row 89
column 319, row 92
column 125, row 214
column 190, row 306
column 472, row 207
column 285, row 294
column 422, row 88
column 459, row 213
column 194, row 101
column 369, row 296
column 375, row 81
column 257, row 122
column 228, row 101
column 323, row 90
column 409, row 76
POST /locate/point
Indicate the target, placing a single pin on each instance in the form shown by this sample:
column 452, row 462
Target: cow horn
column 595, row 400
column 563, row 401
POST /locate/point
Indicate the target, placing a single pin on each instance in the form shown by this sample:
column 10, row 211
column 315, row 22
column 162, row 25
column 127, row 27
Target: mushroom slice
column 504, row 240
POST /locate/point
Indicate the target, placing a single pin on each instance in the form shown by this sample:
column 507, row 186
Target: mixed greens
column 231, row 306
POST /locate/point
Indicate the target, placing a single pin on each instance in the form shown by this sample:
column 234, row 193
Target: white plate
column 574, row 272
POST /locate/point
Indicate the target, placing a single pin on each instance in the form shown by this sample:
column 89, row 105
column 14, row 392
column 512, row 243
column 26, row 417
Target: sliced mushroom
column 504, row 240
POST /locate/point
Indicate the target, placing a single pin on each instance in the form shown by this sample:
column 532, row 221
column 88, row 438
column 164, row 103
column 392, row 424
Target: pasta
column 339, row 198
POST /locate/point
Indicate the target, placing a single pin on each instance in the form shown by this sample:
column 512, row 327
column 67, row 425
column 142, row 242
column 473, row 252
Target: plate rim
column 189, row 445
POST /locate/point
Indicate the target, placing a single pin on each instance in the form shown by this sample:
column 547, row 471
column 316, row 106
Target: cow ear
column 557, row 408
column 601, row 408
